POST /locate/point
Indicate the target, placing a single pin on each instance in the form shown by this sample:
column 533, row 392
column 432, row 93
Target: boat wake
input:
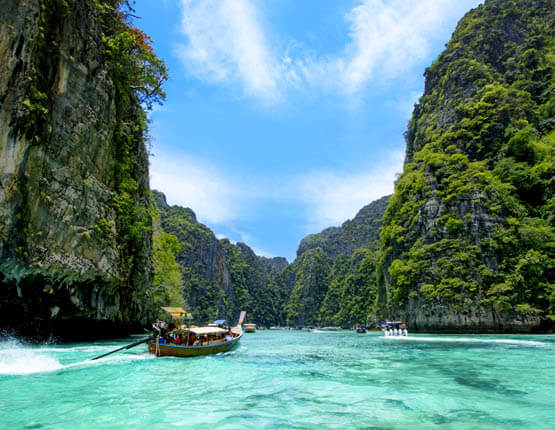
column 466, row 340
column 19, row 359
column 322, row 331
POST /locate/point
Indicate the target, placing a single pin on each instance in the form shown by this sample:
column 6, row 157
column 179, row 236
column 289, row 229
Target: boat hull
column 166, row 350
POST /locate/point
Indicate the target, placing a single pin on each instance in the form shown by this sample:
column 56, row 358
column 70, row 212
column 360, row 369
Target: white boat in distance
column 394, row 328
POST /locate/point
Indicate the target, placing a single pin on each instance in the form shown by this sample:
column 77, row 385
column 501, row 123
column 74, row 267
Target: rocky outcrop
column 62, row 268
column 201, row 252
column 458, row 253
column 325, row 279
column 359, row 232
column 422, row 316
column 222, row 278
column 269, row 266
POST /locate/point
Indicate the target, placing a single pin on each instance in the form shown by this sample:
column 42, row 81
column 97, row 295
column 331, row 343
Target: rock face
column 329, row 280
column 468, row 236
column 359, row 232
column 62, row 268
column 220, row 278
column 269, row 266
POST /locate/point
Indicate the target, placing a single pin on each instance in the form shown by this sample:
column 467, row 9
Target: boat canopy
column 393, row 324
column 177, row 312
column 200, row 331
column 219, row 322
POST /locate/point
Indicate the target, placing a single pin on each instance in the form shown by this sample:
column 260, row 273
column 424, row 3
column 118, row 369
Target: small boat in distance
column 249, row 328
column 361, row 329
column 394, row 328
column 193, row 341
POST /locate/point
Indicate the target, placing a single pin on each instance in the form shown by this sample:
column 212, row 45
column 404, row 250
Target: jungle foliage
column 220, row 279
column 471, row 220
column 167, row 283
column 138, row 76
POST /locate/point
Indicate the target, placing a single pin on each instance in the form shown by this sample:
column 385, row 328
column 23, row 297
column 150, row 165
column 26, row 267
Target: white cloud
column 390, row 36
column 328, row 197
column 332, row 198
column 198, row 185
column 227, row 43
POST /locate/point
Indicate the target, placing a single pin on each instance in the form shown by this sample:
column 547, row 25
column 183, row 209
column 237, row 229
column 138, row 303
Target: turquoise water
column 286, row 379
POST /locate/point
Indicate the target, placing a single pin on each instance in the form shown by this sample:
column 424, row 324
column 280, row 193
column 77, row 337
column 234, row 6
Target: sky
column 284, row 117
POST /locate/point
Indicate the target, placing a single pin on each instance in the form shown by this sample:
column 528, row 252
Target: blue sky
column 284, row 117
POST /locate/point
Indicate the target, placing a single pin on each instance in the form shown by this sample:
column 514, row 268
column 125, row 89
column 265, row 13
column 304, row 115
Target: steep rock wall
column 330, row 280
column 468, row 234
column 61, row 262
column 359, row 232
column 221, row 278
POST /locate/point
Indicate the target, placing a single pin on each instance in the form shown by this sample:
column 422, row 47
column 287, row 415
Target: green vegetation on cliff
column 219, row 278
column 333, row 280
column 167, row 283
column 359, row 232
column 469, row 229
column 138, row 76
column 75, row 229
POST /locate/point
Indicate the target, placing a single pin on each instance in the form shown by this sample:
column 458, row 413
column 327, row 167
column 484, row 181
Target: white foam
column 466, row 340
column 18, row 359
column 323, row 331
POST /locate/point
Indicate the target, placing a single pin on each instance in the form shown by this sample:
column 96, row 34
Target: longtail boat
column 194, row 341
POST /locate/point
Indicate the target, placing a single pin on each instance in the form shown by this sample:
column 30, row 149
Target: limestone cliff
column 221, row 278
column 68, row 263
column 359, row 232
column 468, row 234
column 332, row 280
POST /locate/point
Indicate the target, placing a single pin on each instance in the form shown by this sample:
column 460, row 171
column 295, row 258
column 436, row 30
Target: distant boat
column 249, row 328
column 361, row 329
column 394, row 328
column 194, row 341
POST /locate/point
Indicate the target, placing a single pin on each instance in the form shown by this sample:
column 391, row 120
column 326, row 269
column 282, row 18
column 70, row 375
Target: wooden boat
column 195, row 341
column 250, row 328
column 203, row 348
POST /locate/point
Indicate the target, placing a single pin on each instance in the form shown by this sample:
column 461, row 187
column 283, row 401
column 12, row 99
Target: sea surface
column 286, row 379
